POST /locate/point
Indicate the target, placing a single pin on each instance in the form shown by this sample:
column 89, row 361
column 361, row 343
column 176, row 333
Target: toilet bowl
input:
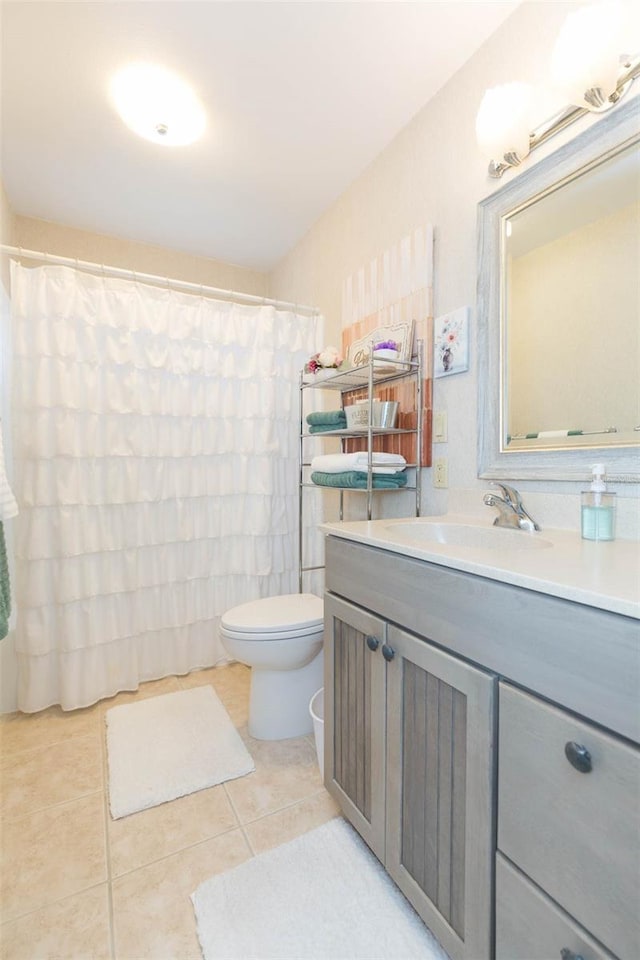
column 280, row 638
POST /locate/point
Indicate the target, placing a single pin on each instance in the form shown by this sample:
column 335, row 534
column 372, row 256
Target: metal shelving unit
column 366, row 377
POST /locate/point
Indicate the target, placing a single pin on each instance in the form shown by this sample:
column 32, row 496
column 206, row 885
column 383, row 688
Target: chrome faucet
column 511, row 512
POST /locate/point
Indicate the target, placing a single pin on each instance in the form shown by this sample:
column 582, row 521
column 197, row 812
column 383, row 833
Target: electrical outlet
column 440, row 426
column 440, row 472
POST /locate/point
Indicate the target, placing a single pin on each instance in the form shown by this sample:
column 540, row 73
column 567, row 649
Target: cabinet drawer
column 575, row 834
column 530, row 926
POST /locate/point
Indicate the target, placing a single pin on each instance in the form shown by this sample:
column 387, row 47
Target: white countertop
column 602, row 574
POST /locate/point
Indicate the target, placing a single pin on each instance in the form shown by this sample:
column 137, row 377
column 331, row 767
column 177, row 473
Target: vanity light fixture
column 157, row 104
column 586, row 66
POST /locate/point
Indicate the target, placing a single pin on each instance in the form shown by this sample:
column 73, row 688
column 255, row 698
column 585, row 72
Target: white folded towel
column 8, row 505
column 341, row 462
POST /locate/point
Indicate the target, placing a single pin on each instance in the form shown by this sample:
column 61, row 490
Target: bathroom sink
column 427, row 531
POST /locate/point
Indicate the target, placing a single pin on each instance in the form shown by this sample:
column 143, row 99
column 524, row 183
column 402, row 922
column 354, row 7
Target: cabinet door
column 440, row 784
column 354, row 698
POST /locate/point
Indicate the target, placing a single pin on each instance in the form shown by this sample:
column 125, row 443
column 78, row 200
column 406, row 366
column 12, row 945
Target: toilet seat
column 275, row 618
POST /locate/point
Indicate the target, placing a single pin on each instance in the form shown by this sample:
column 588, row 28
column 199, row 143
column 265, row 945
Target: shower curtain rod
column 233, row 295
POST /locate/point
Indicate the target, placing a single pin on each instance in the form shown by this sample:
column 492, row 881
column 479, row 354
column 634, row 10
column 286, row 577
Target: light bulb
column 503, row 123
column 586, row 57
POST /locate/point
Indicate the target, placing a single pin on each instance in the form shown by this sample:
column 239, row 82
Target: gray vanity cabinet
column 409, row 756
column 559, row 876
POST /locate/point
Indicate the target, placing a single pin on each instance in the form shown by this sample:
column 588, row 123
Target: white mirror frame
column 610, row 133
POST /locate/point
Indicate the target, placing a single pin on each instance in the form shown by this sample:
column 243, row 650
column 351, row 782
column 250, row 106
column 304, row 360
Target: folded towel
column 5, row 590
column 341, row 462
column 357, row 480
column 321, row 417
column 379, row 460
column 324, row 427
column 8, row 505
column 545, row 434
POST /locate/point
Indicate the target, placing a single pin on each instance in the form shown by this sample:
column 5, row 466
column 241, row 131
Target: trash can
column 316, row 709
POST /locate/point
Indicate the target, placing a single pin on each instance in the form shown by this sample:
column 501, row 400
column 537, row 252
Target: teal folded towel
column 358, row 480
column 5, row 590
column 323, row 417
column 325, row 427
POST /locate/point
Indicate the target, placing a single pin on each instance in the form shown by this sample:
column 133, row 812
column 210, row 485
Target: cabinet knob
column 566, row 954
column 388, row 652
column 373, row 643
column 579, row 757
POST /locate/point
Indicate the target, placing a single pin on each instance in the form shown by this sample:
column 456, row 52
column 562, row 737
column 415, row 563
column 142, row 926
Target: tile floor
column 76, row 884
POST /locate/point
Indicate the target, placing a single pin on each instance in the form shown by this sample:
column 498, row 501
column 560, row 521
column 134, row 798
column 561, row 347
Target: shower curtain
column 155, row 444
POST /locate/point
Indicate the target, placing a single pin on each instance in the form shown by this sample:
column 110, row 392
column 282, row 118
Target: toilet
column 280, row 638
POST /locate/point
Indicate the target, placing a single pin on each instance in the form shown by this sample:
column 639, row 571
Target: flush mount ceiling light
column 157, row 105
column 588, row 66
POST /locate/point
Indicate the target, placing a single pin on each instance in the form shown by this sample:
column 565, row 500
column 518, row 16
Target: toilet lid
column 299, row 612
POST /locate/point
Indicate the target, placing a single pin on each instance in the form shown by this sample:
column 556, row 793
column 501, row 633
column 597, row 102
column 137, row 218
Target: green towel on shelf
column 324, row 417
column 325, row 427
column 358, row 480
column 5, row 589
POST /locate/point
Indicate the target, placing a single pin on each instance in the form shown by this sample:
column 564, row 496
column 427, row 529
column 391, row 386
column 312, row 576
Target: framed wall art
column 451, row 343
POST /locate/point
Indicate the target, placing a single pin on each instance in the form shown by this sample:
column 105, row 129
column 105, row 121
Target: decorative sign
column 402, row 333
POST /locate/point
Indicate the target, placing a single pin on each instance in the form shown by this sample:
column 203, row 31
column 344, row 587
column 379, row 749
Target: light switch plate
column 440, row 426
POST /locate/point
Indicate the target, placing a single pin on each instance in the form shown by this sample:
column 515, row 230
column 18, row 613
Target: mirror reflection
column 570, row 304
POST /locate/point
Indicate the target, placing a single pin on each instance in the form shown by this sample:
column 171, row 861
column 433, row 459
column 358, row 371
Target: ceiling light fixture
column 587, row 67
column 157, row 105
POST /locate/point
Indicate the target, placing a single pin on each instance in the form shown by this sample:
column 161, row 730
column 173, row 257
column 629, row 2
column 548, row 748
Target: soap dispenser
column 598, row 514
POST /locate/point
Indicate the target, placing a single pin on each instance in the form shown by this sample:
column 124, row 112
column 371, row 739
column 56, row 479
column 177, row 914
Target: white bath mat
column 323, row 896
column 169, row 746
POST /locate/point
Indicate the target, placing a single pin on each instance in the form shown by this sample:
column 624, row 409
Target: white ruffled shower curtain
column 155, row 444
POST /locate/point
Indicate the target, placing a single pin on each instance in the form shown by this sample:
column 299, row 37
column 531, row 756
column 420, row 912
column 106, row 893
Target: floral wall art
column 451, row 343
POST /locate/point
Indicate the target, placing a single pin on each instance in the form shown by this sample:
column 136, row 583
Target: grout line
column 175, row 853
column 287, row 806
column 13, row 757
column 50, row 903
column 240, row 824
column 7, row 819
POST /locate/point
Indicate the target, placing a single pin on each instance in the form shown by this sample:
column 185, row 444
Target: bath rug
column 323, row 896
column 169, row 746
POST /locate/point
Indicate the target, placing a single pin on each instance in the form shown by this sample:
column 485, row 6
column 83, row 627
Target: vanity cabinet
column 409, row 756
column 516, row 838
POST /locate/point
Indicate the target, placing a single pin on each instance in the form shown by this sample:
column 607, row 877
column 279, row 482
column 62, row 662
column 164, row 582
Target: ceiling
column 300, row 98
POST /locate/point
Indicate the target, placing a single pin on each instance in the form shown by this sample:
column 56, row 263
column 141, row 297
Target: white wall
column 433, row 172
column 41, row 235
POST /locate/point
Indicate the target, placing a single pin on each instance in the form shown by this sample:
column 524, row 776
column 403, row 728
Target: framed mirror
column 559, row 311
